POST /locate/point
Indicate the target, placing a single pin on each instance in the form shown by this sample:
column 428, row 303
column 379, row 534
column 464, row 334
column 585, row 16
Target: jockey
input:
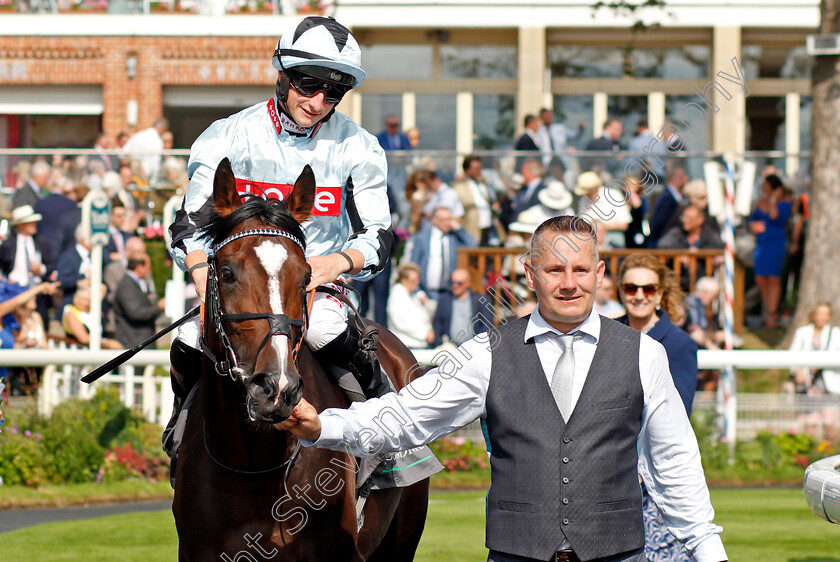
column 268, row 145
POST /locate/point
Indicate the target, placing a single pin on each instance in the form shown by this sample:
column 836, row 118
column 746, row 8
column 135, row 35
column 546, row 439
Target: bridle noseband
column 279, row 324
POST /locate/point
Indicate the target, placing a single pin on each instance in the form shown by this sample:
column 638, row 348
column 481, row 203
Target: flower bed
column 99, row 440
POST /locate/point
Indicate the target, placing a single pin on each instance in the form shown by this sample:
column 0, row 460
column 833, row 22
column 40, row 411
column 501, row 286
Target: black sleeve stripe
column 183, row 228
column 352, row 212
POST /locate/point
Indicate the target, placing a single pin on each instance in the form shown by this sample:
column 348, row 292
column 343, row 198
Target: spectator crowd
column 641, row 199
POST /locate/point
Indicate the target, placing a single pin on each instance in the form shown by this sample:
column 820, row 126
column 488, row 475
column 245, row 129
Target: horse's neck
column 228, row 430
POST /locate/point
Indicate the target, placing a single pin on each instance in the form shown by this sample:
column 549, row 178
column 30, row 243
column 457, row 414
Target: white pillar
column 792, row 134
column 599, row 113
column 531, row 60
column 409, row 110
column 351, row 106
column 149, row 394
column 656, row 111
column 729, row 123
column 463, row 126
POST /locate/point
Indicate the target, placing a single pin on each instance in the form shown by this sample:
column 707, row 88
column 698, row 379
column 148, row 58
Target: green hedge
column 83, row 441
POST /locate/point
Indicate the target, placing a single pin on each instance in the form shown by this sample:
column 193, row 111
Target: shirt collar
column 537, row 326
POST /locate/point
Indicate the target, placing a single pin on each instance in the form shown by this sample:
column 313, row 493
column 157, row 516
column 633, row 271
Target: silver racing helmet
column 322, row 48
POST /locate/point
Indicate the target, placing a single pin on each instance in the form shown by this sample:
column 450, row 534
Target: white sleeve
column 205, row 154
column 436, row 404
column 669, row 459
column 367, row 207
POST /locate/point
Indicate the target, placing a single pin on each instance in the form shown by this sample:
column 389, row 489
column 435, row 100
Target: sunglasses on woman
column 630, row 289
column 309, row 86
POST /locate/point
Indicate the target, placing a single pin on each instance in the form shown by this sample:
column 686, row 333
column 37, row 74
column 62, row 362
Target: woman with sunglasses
column 268, row 145
column 652, row 296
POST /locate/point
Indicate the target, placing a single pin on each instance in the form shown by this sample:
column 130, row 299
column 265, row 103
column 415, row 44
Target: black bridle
column 279, row 324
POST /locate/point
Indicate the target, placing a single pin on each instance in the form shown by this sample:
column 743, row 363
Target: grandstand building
column 464, row 71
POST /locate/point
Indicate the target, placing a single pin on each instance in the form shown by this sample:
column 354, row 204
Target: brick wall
column 161, row 61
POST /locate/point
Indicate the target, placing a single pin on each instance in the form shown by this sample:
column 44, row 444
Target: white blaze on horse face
column 272, row 256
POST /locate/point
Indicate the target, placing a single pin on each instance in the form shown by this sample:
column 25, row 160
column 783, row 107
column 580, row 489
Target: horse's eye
column 226, row 274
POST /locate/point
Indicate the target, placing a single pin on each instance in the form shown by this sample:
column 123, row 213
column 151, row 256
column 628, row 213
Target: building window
column 763, row 61
column 567, row 61
column 678, row 63
column 479, row 61
column 375, row 107
column 629, row 110
column 398, row 61
column 493, row 121
column 571, row 110
column 686, row 62
column 694, row 137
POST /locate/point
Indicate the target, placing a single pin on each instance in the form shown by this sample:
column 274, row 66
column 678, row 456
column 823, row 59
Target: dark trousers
column 632, row 556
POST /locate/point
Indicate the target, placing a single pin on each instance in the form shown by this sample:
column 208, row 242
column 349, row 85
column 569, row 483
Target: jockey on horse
column 268, row 145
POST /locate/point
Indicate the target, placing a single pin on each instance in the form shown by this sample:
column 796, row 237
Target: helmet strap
column 282, row 89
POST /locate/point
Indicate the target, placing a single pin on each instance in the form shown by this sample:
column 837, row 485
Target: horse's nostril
column 265, row 383
column 293, row 391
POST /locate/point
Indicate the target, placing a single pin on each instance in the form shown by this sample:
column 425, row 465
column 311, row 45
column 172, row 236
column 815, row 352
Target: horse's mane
column 272, row 212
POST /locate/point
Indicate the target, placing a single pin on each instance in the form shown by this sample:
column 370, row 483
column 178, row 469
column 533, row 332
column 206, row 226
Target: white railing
column 65, row 365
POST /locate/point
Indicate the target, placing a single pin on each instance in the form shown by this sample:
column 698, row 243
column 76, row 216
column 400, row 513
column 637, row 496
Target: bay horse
column 246, row 491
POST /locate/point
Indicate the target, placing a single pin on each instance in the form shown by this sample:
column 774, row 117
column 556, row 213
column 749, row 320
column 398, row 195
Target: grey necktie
column 564, row 374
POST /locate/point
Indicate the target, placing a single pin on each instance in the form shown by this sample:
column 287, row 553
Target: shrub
column 458, row 454
column 21, row 457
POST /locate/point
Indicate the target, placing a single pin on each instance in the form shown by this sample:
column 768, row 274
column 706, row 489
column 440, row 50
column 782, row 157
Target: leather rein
column 279, row 325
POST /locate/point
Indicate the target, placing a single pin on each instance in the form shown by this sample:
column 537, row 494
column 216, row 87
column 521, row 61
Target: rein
column 279, row 324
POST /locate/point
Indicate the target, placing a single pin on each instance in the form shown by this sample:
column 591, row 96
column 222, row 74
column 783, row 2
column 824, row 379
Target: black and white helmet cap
column 319, row 46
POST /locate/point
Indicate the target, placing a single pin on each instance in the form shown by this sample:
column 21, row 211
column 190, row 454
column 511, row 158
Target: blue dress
column 771, row 245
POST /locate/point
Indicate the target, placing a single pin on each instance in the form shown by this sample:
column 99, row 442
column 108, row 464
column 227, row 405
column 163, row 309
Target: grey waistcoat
column 550, row 478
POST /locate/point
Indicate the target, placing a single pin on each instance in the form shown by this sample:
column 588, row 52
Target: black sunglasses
column 309, row 86
column 630, row 289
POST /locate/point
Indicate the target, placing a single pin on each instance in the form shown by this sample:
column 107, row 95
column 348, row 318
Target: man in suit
column 479, row 201
column 666, row 205
column 460, row 314
column 134, row 310
column 53, row 208
column 533, row 176
column 577, row 407
column 22, row 256
column 435, row 249
column 391, row 139
column 607, row 142
column 102, row 146
column 73, row 266
column 33, row 190
column 529, row 141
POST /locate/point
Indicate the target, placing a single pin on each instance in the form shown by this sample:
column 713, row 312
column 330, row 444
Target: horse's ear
column 225, row 197
column 302, row 198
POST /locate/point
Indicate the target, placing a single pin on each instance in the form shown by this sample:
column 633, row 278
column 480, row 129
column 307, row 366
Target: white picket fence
column 152, row 395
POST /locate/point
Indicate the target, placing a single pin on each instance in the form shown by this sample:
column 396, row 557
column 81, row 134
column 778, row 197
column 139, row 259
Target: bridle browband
column 279, row 324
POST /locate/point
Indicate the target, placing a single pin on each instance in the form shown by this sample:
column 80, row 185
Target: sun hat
column 25, row 214
column 588, row 182
column 555, row 196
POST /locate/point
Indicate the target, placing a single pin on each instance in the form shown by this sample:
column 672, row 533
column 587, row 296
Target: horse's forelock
column 272, row 213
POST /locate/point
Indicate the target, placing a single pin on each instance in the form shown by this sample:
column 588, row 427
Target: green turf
column 761, row 525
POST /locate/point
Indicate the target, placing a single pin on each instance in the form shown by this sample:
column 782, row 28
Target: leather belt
column 565, row 556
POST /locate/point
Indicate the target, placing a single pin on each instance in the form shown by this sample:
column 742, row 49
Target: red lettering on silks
column 327, row 199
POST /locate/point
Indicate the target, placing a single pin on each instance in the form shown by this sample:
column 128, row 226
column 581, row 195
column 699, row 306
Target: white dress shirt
column 447, row 197
column 454, row 394
column 25, row 255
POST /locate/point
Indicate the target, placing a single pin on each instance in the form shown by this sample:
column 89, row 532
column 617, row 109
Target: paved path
column 12, row 519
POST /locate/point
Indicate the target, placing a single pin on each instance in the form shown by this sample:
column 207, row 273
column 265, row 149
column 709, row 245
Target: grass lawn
column 762, row 525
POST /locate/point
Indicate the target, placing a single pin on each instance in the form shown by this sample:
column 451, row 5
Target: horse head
column 255, row 300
